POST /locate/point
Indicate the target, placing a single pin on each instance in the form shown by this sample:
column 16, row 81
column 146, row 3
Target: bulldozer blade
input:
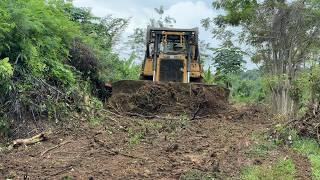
column 132, row 86
column 128, row 86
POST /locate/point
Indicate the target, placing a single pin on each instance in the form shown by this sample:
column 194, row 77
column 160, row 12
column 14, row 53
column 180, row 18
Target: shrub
column 6, row 73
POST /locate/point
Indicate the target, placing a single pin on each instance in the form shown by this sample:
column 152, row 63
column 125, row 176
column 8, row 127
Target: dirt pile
column 149, row 98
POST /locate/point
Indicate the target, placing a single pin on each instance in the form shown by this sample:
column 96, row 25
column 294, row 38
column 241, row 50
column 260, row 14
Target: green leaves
column 56, row 56
column 6, row 73
column 237, row 11
column 208, row 76
column 6, row 70
column 62, row 75
column 4, row 25
column 315, row 81
column 41, row 31
column 127, row 69
column 228, row 59
column 283, row 35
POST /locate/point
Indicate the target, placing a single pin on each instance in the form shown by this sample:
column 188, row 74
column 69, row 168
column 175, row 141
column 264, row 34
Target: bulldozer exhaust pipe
column 154, row 75
column 154, row 65
column 188, row 63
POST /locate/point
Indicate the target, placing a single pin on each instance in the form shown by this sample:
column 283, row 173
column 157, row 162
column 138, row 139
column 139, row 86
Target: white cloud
column 188, row 14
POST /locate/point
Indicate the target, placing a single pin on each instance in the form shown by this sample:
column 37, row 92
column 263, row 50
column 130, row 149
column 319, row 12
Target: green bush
column 245, row 86
column 54, row 55
column 6, row 70
column 36, row 81
column 6, row 73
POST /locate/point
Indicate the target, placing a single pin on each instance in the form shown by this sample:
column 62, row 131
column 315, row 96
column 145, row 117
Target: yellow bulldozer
column 171, row 77
column 172, row 55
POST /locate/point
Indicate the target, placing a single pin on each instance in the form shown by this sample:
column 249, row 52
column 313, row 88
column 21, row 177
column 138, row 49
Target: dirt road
column 127, row 148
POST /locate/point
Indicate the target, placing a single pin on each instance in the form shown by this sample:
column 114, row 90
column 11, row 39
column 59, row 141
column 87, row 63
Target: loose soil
column 152, row 98
column 134, row 148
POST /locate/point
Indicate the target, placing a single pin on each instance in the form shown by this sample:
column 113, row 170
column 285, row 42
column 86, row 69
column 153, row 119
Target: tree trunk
column 281, row 101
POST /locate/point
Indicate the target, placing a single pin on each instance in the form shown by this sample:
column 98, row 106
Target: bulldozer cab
column 172, row 55
column 172, row 44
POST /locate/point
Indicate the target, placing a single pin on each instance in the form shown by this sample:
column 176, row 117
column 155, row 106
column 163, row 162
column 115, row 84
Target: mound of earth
column 149, row 98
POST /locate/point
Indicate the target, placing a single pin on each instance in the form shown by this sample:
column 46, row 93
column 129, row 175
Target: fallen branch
column 163, row 117
column 201, row 117
column 116, row 114
column 67, row 168
column 196, row 112
column 152, row 117
column 113, row 152
column 54, row 147
column 29, row 141
column 122, row 154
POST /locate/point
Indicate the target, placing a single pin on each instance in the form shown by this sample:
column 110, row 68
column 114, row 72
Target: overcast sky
column 187, row 13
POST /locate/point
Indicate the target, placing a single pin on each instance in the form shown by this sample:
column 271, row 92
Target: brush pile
column 149, row 98
column 309, row 125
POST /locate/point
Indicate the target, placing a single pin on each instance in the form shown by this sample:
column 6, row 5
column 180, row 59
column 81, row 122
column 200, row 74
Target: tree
column 137, row 40
column 163, row 20
column 208, row 76
column 228, row 59
column 205, row 52
column 282, row 34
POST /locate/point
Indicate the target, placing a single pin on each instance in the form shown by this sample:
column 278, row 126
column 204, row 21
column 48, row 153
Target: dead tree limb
column 54, row 147
column 29, row 141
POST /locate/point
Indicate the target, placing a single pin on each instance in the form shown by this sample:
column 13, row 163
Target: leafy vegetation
column 262, row 145
column 53, row 56
column 310, row 148
column 246, row 86
column 228, row 59
column 134, row 137
column 283, row 36
column 282, row 169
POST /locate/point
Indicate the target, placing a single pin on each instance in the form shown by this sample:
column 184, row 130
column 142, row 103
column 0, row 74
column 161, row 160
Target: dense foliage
column 246, row 86
column 283, row 36
column 53, row 55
